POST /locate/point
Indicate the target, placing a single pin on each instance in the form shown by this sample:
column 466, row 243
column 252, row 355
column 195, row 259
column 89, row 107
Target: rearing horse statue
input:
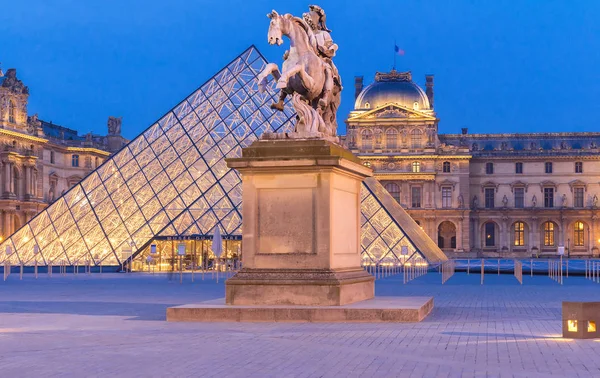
column 304, row 74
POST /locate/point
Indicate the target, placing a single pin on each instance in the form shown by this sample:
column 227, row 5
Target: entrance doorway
column 447, row 235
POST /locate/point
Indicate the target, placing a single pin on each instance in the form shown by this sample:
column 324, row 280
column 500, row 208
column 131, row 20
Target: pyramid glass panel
column 172, row 180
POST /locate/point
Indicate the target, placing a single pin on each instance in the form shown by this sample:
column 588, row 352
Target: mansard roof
column 540, row 144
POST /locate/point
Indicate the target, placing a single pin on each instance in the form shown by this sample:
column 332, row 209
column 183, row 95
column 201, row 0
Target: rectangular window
column 490, row 237
column 489, row 198
column 548, row 197
column 578, row 167
column 489, row 168
column 548, row 234
column 75, row 161
column 578, row 194
column 519, row 168
column 548, row 167
column 519, row 198
column 416, row 196
column 51, row 157
column 519, row 234
column 446, row 197
column 578, row 234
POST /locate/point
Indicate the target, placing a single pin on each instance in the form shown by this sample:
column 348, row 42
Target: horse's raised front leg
column 270, row 69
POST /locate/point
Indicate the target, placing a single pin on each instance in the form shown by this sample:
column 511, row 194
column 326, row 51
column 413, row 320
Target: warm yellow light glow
column 572, row 325
column 591, row 326
column 25, row 239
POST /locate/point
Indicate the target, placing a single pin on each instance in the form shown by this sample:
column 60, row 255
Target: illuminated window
column 446, row 197
column 490, row 234
column 416, row 166
column 367, row 105
column 416, row 138
column 578, row 197
column 549, row 234
column 519, row 198
column 489, row 168
column 11, row 111
column 446, row 167
column 394, row 190
column 578, row 234
column 75, row 161
column 578, row 167
column 519, row 168
column 548, row 167
column 572, row 325
column 519, row 234
column 416, row 196
column 591, row 326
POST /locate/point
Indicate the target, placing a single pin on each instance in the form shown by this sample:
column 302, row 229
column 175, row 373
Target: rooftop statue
column 308, row 73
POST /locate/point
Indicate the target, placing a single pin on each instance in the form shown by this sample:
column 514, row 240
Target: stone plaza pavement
column 114, row 325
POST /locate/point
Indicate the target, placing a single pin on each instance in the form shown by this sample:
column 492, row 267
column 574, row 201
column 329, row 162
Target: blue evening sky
column 500, row 66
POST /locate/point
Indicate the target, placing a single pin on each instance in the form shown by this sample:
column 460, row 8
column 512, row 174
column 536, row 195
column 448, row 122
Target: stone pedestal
column 301, row 225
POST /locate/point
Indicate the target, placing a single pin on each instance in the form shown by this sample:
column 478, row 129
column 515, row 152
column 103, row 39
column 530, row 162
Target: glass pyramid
column 173, row 180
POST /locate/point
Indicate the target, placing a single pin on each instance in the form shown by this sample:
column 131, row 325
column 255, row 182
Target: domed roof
column 394, row 87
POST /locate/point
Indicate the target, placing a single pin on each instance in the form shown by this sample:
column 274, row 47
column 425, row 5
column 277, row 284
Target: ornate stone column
column 27, row 185
column 533, row 232
column 459, row 235
column 593, row 248
column 7, row 177
column 504, row 234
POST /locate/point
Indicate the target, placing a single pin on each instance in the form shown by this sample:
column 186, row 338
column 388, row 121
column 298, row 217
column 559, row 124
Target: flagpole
column 395, row 53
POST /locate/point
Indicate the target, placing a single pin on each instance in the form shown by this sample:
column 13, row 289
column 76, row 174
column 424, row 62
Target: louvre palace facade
column 39, row 160
column 477, row 194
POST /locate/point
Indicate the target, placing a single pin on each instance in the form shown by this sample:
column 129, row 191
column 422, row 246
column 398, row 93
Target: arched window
column 394, row 190
column 519, row 234
column 416, row 105
column 367, row 105
column 578, row 234
column 391, row 139
column 548, row 234
column 446, row 167
column 11, row 112
column 416, row 167
column 416, row 138
column 367, row 139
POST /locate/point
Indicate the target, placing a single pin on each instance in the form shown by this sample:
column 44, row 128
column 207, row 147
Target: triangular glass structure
column 173, row 180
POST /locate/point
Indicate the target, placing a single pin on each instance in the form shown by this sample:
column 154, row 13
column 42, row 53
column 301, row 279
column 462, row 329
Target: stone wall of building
column 39, row 161
column 479, row 194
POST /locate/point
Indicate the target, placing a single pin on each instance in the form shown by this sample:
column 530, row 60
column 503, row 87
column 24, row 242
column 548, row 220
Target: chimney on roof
column 465, row 130
column 358, row 85
column 429, row 89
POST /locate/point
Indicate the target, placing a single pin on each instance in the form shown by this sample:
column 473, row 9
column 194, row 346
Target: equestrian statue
column 307, row 74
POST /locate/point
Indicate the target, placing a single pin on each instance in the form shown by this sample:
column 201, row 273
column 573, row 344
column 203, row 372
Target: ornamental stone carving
column 308, row 73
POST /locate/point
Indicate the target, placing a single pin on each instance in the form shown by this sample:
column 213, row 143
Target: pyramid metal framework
column 173, row 180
